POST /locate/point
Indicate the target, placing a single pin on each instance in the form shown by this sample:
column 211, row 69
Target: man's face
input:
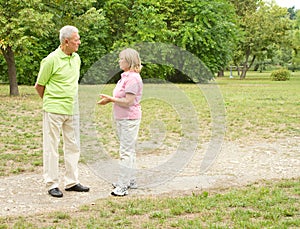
column 73, row 43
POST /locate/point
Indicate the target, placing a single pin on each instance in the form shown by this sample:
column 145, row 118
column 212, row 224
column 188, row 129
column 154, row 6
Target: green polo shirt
column 59, row 73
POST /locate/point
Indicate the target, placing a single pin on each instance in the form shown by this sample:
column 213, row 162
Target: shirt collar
column 126, row 74
column 62, row 54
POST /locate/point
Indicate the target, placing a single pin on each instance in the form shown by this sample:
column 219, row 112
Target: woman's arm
column 124, row 102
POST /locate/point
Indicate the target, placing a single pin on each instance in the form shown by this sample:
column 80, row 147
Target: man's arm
column 40, row 89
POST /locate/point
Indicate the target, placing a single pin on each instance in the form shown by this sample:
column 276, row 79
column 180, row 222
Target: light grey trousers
column 127, row 132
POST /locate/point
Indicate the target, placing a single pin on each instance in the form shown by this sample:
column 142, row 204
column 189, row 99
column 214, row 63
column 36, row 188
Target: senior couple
column 57, row 85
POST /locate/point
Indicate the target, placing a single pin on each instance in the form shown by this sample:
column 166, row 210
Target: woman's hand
column 105, row 99
column 127, row 101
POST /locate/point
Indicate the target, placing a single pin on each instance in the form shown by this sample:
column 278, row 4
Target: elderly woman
column 127, row 115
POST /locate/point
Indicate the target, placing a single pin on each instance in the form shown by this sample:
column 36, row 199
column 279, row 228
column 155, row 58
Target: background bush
column 282, row 74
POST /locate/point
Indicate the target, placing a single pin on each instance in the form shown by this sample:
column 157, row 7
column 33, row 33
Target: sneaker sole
column 114, row 194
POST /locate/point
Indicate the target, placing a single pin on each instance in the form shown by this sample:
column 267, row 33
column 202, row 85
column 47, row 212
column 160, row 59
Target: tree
column 263, row 26
column 122, row 8
column 196, row 26
column 208, row 30
column 32, row 36
column 293, row 13
column 20, row 27
column 199, row 27
column 294, row 45
column 91, row 22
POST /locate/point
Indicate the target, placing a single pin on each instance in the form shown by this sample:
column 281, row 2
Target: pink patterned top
column 130, row 82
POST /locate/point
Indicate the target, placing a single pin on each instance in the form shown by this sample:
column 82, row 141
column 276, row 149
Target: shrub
column 282, row 74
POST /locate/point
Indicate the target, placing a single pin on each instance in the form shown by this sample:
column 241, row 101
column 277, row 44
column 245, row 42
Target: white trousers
column 53, row 126
column 127, row 132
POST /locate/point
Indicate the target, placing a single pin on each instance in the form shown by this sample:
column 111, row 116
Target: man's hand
column 40, row 89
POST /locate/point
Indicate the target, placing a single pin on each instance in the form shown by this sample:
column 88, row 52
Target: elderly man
column 57, row 85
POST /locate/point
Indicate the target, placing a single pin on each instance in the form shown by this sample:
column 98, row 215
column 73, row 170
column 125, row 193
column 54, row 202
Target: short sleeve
column 132, row 86
column 45, row 71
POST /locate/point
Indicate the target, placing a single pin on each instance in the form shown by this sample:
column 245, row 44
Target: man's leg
column 71, row 149
column 51, row 137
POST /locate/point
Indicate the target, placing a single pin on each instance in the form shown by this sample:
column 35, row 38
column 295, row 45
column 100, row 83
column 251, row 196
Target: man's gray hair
column 66, row 32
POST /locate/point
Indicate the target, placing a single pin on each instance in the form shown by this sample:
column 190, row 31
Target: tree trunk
column 221, row 73
column 238, row 70
column 246, row 67
column 244, row 72
column 9, row 56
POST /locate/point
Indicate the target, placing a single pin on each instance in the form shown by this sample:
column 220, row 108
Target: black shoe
column 55, row 192
column 78, row 188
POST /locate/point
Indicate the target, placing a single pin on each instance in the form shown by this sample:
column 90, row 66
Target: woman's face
column 123, row 63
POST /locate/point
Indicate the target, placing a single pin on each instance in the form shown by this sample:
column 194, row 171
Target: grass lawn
column 267, row 205
column 256, row 109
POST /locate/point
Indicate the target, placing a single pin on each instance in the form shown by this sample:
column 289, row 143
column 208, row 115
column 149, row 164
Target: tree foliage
column 197, row 26
column 263, row 26
column 21, row 23
column 29, row 31
column 295, row 41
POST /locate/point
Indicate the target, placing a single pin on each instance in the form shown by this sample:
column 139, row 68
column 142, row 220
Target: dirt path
column 236, row 165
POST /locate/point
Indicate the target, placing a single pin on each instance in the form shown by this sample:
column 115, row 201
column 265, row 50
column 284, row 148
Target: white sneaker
column 115, row 184
column 132, row 184
column 120, row 191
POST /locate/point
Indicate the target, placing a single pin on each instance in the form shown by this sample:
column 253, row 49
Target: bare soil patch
column 237, row 164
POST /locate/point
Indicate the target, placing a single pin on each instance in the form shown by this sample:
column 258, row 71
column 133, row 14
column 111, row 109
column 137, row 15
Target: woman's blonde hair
column 132, row 57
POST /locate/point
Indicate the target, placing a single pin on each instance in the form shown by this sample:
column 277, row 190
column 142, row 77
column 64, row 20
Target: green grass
column 261, row 205
column 20, row 131
column 257, row 109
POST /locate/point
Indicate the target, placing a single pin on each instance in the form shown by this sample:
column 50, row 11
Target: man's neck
column 64, row 48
